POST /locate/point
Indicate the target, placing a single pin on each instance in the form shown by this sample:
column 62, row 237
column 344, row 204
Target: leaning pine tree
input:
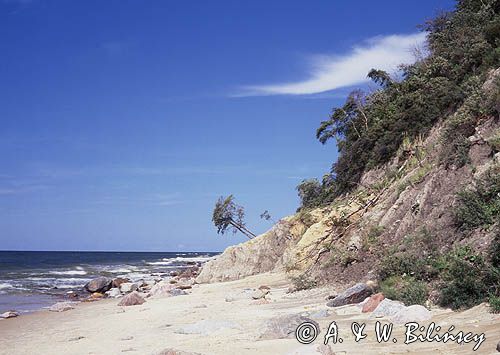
column 228, row 215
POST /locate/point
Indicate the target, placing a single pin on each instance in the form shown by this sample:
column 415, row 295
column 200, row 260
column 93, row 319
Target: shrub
column 420, row 262
column 406, row 289
column 494, row 143
column 303, row 282
column 398, row 265
column 495, row 249
column 371, row 237
column 464, row 274
column 480, row 206
column 309, row 192
column 494, row 302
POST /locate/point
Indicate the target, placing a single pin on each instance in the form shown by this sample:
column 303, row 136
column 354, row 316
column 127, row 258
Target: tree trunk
column 243, row 230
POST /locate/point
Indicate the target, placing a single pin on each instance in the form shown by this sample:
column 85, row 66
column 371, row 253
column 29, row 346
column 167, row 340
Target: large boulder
column 260, row 293
column 282, row 327
column 372, row 302
column 61, row 306
column 113, row 292
column 119, row 280
column 352, row 295
column 127, row 287
column 161, row 289
column 100, row 284
column 387, row 308
column 132, row 299
column 415, row 313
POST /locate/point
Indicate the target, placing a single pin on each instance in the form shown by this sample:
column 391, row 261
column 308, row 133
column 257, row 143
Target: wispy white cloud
column 329, row 72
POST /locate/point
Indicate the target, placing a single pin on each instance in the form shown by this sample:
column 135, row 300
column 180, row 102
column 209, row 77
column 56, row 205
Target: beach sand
column 219, row 326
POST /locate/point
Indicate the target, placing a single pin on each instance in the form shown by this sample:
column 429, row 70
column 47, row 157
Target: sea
column 33, row 280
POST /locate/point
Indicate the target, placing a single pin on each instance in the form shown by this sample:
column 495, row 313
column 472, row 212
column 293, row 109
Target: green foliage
column 380, row 77
column 228, row 216
column 370, row 128
column 309, row 192
column 465, row 275
column 371, row 238
column 305, row 218
column 480, row 206
column 342, row 257
column 495, row 250
column 406, row 289
column 455, row 148
column 494, row 302
column 303, row 282
column 494, row 142
column 415, row 178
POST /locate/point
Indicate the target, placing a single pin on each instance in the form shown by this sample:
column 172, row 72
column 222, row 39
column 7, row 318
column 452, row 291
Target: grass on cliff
column 479, row 206
column 462, row 276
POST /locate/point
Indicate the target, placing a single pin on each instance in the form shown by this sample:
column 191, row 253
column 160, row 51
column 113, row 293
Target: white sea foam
column 119, row 270
column 69, row 272
column 5, row 285
column 161, row 263
column 200, row 259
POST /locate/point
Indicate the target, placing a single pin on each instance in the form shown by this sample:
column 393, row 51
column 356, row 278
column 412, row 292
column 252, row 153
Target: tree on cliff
column 227, row 215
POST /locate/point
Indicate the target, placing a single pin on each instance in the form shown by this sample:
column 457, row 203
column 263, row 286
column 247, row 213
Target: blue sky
column 123, row 121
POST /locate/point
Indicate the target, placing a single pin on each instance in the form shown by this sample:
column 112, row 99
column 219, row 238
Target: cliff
column 393, row 210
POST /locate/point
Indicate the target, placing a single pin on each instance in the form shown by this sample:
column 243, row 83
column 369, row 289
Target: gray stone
column 230, row 299
column 61, row 307
column 284, row 326
column 127, row 287
column 415, row 313
column 498, row 347
column 177, row 292
column 161, row 289
column 9, row 314
column 132, row 299
column 241, row 295
column 114, row 292
column 148, row 284
column 118, row 281
column 260, row 293
column 387, row 308
column 354, row 294
column 323, row 313
column 207, row 326
column 100, row 284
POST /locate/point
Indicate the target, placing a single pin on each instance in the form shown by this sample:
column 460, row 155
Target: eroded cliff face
column 343, row 242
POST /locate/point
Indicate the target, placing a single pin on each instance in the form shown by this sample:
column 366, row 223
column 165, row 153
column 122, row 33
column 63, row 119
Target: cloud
column 329, row 72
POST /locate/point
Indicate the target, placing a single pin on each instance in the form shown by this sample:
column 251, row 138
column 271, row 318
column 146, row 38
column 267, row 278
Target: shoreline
column 221, row 318
column 36, row 280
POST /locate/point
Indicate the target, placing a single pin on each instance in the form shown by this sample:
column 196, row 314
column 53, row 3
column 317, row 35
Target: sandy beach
column 221, row 318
